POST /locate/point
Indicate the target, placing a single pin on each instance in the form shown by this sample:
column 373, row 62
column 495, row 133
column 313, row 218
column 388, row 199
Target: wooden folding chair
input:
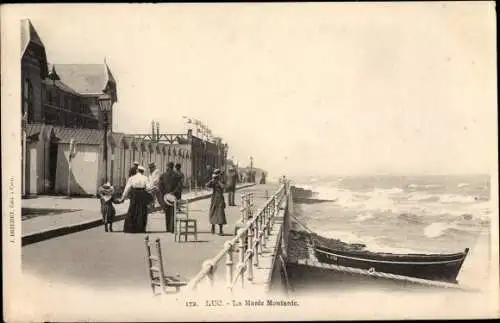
column 157, row 271
column 184, row 226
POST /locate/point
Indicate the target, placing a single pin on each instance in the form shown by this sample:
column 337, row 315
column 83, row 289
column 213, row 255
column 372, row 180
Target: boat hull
column 443, row 268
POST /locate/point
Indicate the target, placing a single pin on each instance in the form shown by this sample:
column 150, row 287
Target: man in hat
column 153, row 183
column 133, row 169
column 180, row 182
column 232, row 178
column 167, row 185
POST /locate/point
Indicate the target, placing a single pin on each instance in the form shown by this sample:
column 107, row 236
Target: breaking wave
column 396, row 200
column 371, row 243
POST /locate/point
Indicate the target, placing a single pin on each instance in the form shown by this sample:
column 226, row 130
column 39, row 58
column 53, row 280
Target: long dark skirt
column 217, row 208
column 137, row 216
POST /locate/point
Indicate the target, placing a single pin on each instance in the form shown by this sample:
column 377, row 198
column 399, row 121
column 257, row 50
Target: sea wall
column 279, row 280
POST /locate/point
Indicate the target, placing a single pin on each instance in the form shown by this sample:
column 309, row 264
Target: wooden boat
column 437, row 267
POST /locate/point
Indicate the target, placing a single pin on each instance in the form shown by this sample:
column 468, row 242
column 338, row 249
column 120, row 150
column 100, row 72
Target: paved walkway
column 60, row 212
column 99, row 259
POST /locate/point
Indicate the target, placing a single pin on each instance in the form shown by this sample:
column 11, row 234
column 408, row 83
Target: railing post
column 270, row 215
column 275, row 206
column 243, row 208
column 264, row 226
column 242, row 254
column 260, row 235
column 250, row 251
column 249, row 207
column 229, row 265
column 256, row 239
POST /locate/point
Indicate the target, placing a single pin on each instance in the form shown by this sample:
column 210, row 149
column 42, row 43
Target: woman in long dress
column 217, row 213
column 137, row 215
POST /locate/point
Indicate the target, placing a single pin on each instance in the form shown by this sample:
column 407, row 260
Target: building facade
column 60, row 105
column 67, row 96
column 54, row 98
column 198, row 157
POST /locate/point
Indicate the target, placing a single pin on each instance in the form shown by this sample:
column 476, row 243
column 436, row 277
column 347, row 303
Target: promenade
column 99, row 259
column 48, row 216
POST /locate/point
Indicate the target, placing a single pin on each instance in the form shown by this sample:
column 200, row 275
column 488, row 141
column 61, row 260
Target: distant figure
column 137, row 215
column 168, row 185
column 232, row 178
column 105, row 193
column 133, row 169
column 217, row 213
column 154, row 183
column 262, row 178
column 180, row 183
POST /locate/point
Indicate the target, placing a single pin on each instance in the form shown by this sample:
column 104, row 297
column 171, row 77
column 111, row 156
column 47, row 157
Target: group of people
column 142, row 191
column 166, row 188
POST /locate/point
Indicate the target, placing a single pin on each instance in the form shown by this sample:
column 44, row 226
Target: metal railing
column 249, row 241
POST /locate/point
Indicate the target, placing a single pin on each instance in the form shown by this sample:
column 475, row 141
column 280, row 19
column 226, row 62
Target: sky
column 316, row 89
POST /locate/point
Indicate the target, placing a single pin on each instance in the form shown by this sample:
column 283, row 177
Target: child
column 105, row 193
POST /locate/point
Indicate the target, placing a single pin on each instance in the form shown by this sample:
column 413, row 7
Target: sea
column 405, row 214
column 400, row 213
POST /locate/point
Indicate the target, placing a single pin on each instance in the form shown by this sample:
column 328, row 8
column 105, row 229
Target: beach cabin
column 87, row 166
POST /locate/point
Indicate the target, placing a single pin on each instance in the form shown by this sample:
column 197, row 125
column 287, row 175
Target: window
column 28, row 100
column 49, row 96
column 67, row 103
column 56, row 98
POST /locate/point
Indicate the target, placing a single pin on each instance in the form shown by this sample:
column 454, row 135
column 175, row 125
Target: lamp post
column 105, row 104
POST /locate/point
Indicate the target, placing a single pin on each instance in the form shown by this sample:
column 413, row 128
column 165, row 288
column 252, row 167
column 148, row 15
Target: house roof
column 85, row 78
column 80, row 136
column 29, row 34
column 60, row 85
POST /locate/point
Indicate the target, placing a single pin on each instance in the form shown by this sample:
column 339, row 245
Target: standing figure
column 133, row 169
column 180, row 183
column 232, row 178
column 217, row 213
column 105, row 193
column 154, row 183
column 263, row 178
column 137, row 215
column 168, row 185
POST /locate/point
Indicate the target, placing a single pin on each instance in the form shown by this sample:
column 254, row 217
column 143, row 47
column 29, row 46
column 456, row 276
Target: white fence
column 250, row 240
